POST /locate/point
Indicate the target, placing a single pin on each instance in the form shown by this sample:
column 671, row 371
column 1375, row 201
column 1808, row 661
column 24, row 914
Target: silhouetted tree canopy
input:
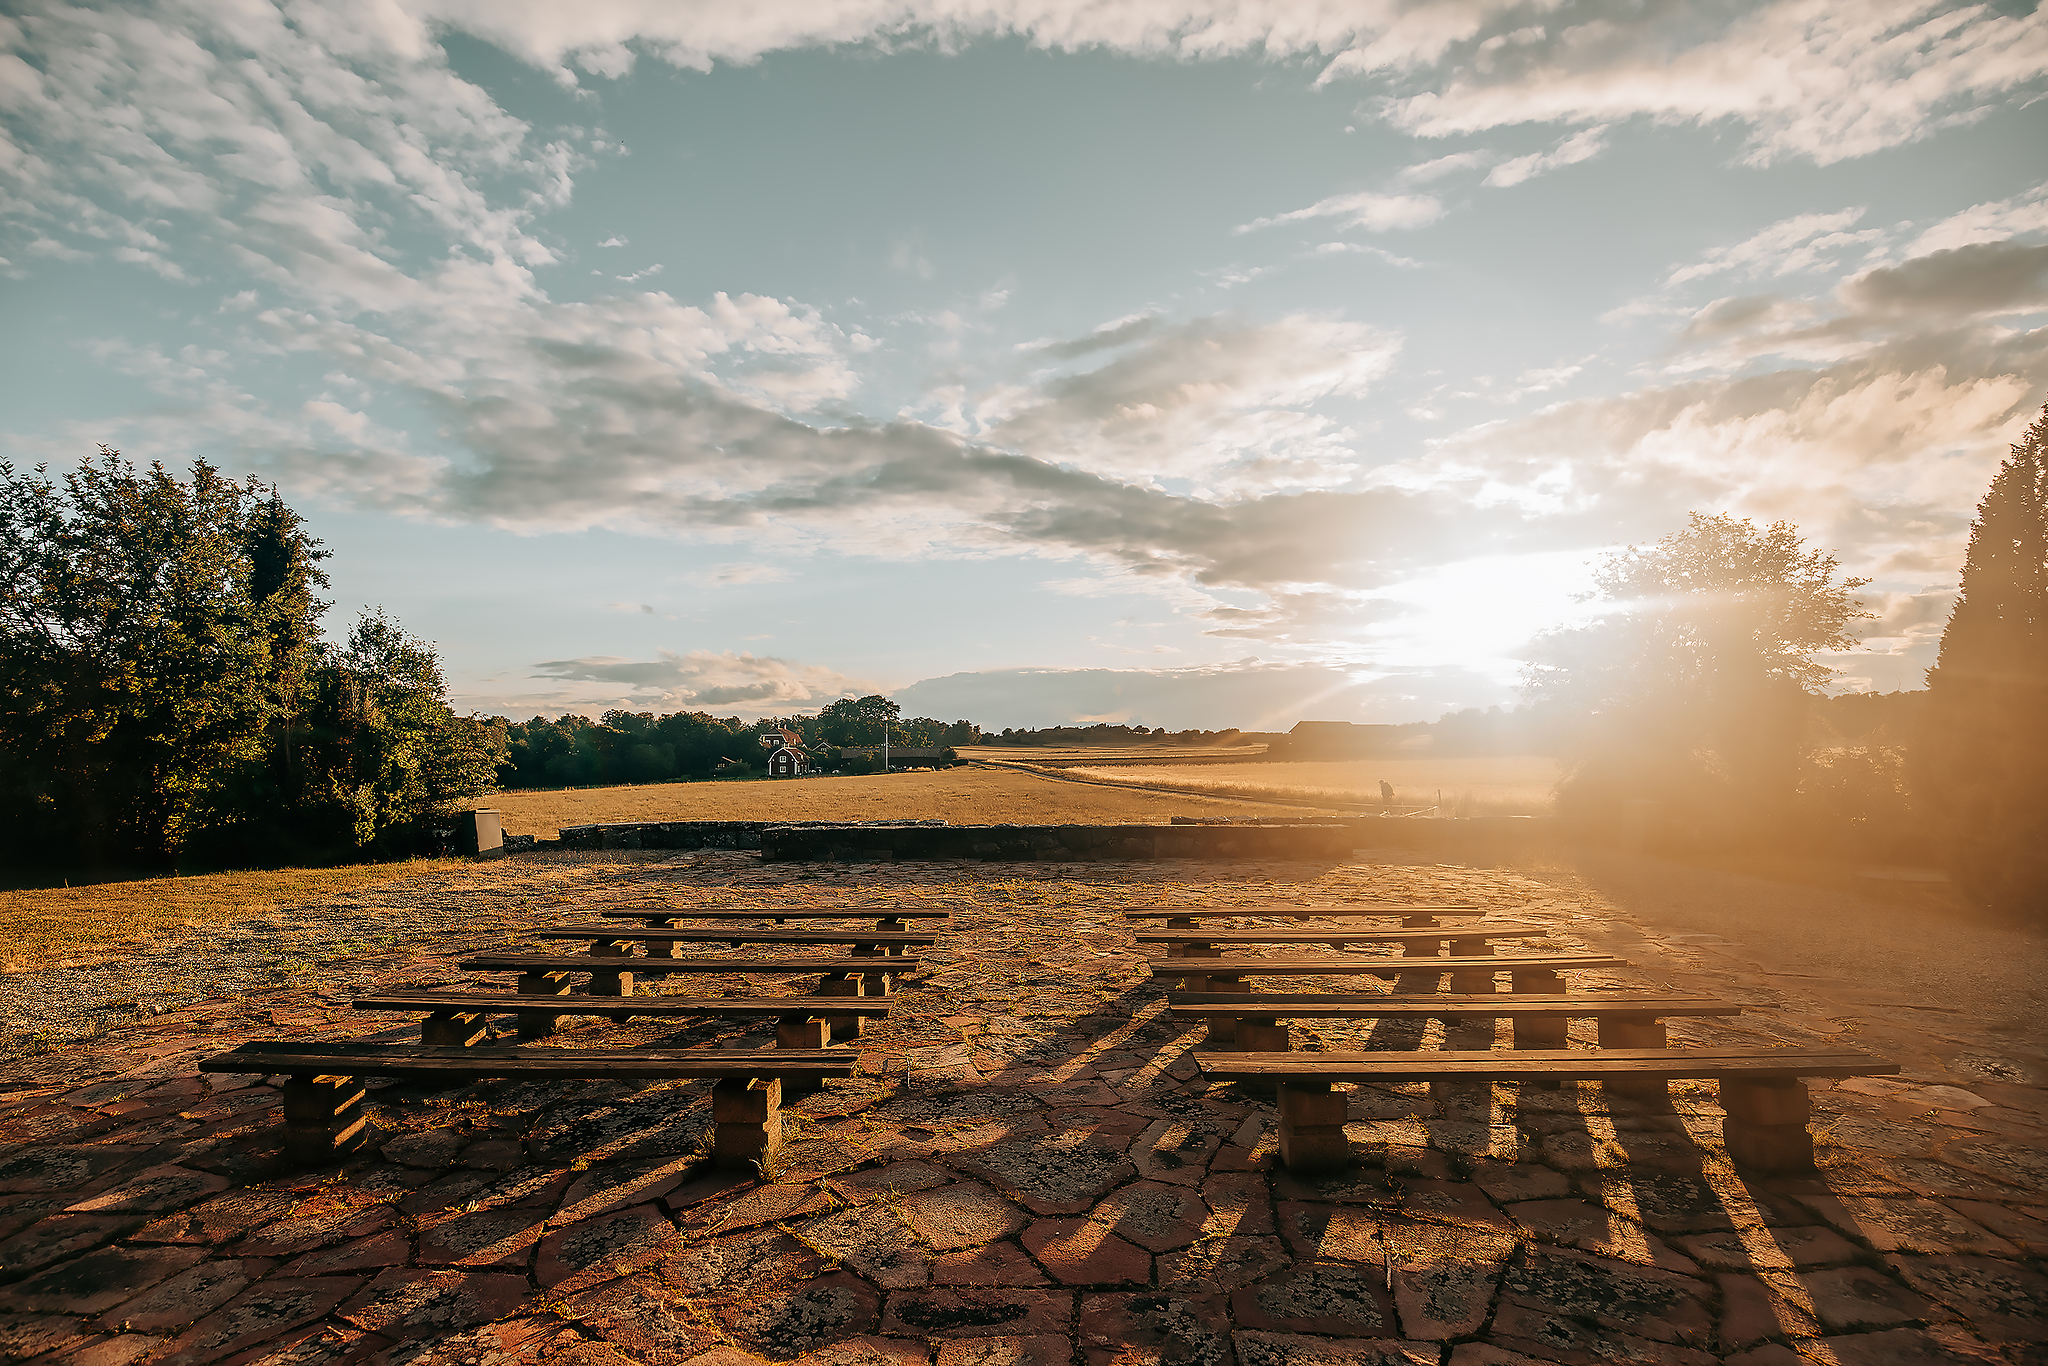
column 164, row 689
column 1694, row 689
column 1980, row 766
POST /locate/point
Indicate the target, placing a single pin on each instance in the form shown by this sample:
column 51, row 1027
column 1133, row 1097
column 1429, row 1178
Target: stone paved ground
column 1028, row 1171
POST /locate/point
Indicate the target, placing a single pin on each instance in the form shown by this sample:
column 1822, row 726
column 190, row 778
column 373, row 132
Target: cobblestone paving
column 1028, row 1169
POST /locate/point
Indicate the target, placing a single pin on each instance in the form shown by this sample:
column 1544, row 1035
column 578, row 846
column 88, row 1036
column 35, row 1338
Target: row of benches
column 1762, row 1094
column 1246, row 1043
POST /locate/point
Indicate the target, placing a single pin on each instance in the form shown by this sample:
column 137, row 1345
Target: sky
column 1161, row 362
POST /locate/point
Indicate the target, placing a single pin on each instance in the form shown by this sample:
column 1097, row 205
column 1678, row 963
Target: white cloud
column 1805, row 242
column 1812, row 79
column 702, row 680
column 1364, row 209
column 1425, row 171
column 1583, row 145
column 1989, row 222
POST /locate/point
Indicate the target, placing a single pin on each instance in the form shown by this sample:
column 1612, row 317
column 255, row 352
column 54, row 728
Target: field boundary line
column 1358, row 807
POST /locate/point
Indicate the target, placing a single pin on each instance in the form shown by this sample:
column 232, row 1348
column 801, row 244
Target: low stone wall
column 693, row 834
column 1055, row 843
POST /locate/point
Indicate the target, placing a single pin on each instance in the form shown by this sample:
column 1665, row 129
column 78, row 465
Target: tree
column 1980, row 762
column 1693, row 690
column 153, row 634
column 857, row 721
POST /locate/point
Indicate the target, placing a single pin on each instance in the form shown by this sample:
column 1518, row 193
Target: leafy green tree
column 858, row 720
column 153, row 636
column 1980, row 761
column 1693, row 689
column 385, row 753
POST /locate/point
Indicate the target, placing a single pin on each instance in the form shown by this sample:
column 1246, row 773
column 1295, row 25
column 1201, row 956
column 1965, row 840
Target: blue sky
column 1183, row 364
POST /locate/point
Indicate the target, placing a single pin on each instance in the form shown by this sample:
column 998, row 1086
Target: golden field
column 964, row 796
column 1510, row 785
column 43, row 923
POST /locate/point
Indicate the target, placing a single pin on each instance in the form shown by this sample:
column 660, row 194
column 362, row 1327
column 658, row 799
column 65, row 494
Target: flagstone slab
column 597, row 1250
column 60, row 1236
column 1907, row 1225
column 261, row 1314
column 1155, row 1328
column 770, row 1204
column 1437, row 1301
column 1044, row 1350
column 96, row 1281
column 1594, row 1228
column 1638, row 1300
column 1330, row 1232
column 186, row 1297
column 992, row 1264
column 811, row 1315
column 1343, row 1298
column 641, row 1315
column 1769, row 1248
column 974, row 1312
column 2001, row 1300
column 153, row 1192
column 1293, row 1349
column 419, row 1303
column 374, row 1253
column 875, row 1241
column 486, row 1237
column 1084, row 1252
column 313, row 1226
column 63, row 1167
column 758, row 1261
column 962, row 1215
column 1155, row 1215
column 1218, row 1264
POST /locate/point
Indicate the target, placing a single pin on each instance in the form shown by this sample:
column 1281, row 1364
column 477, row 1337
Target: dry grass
column 964, row 796
column 45, row 924
column 1512, row 785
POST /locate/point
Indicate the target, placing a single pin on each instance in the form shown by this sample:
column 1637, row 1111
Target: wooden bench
column 884, row 919
column 1626, row 1019
column 1464, row 940
column 323, row 1093
column 1761, row 1092
column 456, row 1019
column 661, row 943
column 1412, row 916
column 1472, row 975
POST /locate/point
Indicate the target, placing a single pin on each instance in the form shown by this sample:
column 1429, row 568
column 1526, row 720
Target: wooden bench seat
column 661, row 943
column 1416, row 916
column 456, row 1018
column 1761, row 1091
column 1470, row 974
column 884, row 919
column 1251, row 1023
column 1463, row 939
column 323, row 1093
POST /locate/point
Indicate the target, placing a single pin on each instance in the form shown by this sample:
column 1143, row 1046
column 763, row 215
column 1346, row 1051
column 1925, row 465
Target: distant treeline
column 1107, row 734
column 641, row 747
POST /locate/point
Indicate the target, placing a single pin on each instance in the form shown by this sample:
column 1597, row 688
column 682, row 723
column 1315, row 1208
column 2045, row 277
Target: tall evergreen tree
column 1980, row 765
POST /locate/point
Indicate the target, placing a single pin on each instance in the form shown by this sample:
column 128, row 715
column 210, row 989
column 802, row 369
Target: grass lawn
column 964, row 796
column 43, row 924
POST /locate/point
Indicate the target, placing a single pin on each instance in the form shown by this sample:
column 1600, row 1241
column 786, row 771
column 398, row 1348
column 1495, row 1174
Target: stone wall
column 693, row 834
column 1054, row 843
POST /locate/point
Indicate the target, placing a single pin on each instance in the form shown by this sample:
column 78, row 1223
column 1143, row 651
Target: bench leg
column 893, row 925
column 616, row 983
column 323, row 1118
column 1418, row 922
column 1766, row 1126
column 452, row 1028
column 843, row 1026
column 810, row 1033
column 747, row 1115
column 538, row 1024
column 661, row 948
column 1540, row 1031
column 1194, row 951
column 1636, row 1031
column 1312, row 1127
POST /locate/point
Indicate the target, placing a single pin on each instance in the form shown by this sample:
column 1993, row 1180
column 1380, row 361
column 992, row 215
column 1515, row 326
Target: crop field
column 964, row 796
column 1509, row 785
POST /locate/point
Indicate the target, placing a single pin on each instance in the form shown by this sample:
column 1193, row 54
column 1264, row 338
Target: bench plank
column 1367, row 1006
column 593, row 962
column 636, row 1064
column 508, row 1001
column 621, row 933
column 1550, row 1064
column 1358, row 965
column 1496, row 930
column 1310, row 911
column 777, row 915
